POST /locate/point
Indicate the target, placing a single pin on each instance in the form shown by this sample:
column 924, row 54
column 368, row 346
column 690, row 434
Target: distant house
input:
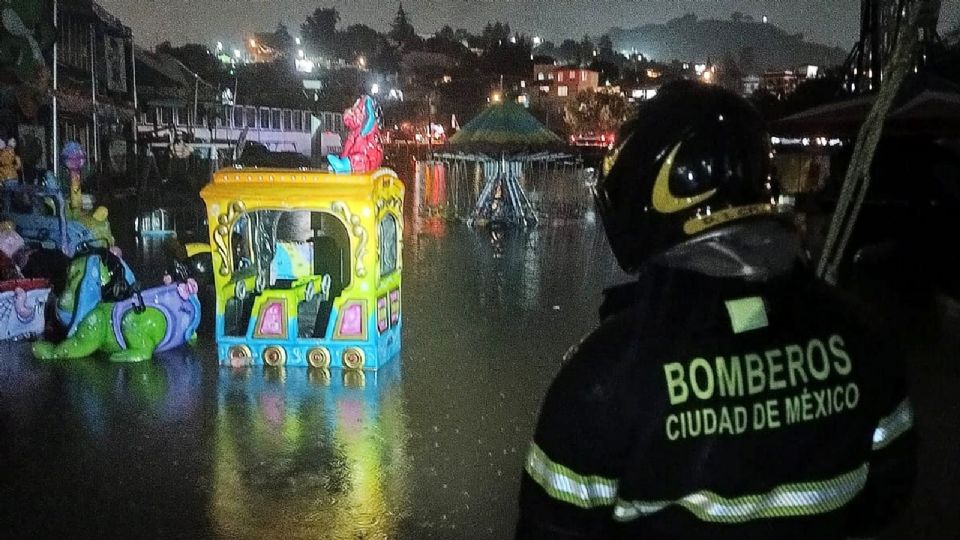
column 780, row 83
column 642, row 92
column 749, row 85
column 268, row 46
column 569, row 81
column 560, row 83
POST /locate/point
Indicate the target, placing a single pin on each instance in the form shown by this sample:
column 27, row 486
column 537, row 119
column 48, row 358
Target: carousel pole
column 55, row 150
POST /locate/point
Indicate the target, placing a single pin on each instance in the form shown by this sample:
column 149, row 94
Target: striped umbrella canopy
column 505, row 127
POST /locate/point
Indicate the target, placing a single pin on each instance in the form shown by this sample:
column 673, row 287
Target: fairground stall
column 306, row 266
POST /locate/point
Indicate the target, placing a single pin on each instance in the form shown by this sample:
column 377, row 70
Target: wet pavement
column 431, row 447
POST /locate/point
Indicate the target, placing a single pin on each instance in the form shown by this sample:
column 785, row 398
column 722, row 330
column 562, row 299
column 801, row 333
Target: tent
column 502, row 137
column 927, row 106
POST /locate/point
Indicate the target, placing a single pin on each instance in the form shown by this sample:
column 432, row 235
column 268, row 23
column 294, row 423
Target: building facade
column 96, row 91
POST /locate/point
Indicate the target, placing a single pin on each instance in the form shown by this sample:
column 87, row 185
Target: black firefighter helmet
column 694, row 159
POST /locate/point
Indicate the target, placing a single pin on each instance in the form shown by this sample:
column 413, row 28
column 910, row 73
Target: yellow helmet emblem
column 664, row 201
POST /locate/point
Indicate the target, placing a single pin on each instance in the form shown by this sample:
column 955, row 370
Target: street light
column 537, row 41
column 362, row 62
column 253, row 44
column 236, row 53
column 300, row 53
column 496, row 97
column 297, row 40
column 219, row 46
column 375, row 89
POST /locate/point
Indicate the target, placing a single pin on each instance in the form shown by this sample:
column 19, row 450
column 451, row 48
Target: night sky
column 832, row 22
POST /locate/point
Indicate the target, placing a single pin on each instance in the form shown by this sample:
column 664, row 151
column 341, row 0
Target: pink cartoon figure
column 363, row 149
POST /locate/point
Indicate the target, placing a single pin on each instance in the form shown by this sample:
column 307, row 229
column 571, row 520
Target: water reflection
column 309, row 453
column 90, row 446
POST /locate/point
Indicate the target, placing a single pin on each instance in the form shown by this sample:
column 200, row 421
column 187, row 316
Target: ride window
column 251, row 117
column 264, row 118
column 275, row 119
column 238, row 117
column 287, row 120
column 297, row 121
column 388, row 245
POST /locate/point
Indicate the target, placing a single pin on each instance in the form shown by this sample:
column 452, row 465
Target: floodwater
column 431, row 447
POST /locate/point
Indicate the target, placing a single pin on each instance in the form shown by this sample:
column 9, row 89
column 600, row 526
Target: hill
column 757, row 46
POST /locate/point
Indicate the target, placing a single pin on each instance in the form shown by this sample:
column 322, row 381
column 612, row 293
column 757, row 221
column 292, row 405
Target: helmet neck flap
column 755, row 250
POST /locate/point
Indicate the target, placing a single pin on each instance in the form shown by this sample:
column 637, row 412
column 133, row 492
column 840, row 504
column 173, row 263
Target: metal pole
column 136, row 103
column 56, row 138
column 93, row 93
column 196, row 90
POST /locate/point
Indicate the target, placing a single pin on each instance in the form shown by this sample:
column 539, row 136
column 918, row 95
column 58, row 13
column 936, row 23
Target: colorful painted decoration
column 103, row 310
column 363, row 149
column 10, row 164
column 303, row 264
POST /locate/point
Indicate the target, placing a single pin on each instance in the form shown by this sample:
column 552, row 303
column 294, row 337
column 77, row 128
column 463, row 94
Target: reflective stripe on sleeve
column 565, row 485
column 801, row 499
column 890, row 427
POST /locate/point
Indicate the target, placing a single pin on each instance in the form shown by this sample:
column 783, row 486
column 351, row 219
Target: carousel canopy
column 504, row 128
column 926, row 106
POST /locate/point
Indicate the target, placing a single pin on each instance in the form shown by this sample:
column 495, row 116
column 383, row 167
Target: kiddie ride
column 307, row 263
column 103, row 309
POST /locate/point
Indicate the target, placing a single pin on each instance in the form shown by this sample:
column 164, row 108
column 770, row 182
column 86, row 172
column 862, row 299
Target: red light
column 603, row 138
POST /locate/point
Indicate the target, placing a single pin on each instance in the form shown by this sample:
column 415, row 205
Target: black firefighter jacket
column 715, row 408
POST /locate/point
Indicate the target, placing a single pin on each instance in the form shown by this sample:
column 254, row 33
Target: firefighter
column 727, row 393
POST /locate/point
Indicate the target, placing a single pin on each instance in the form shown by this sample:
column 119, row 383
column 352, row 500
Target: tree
column 320, row 31
column 447, row 34
column 509, row 57
column 402, row 32
column 569, row 50
column 609, row 72
column 730, row 76
column 605, row 51
column 494, row 34
column 282, row 39
column 360, row 40
column 587, row 49
column 596, row 112
column 547, row 48
column 196, row 57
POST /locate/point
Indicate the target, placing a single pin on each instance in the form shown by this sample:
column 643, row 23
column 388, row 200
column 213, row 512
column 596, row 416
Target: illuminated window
column 560, row 77
column 573, row 75
column 541, row 76
column 388, row 245
column 562, row 91
column 583, row 75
